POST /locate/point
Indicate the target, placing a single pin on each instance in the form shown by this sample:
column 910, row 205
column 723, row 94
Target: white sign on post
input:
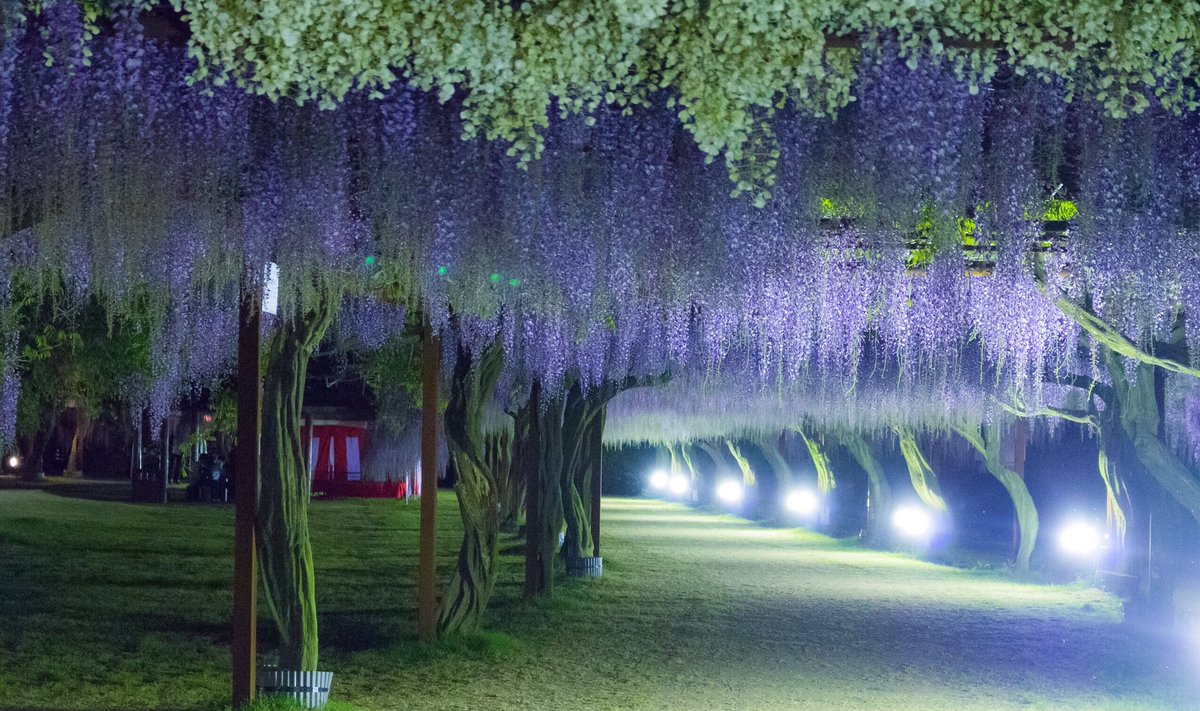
column 270, row 295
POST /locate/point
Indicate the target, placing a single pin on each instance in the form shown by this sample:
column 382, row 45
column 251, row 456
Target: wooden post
column 427, row 604
column 597, row 478
column 135, row 450
column 308, row 465
column 166, row 459
column 531, row 458
column 245, row 563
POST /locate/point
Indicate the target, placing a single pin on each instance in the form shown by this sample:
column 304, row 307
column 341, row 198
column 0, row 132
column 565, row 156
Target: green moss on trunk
column 879, row 493
column 285, row 550
column 986, row 440
column 924, row 479
column 478, row 490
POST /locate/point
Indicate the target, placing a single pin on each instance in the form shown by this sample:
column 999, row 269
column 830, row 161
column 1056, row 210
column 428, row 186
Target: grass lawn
column 107, row 605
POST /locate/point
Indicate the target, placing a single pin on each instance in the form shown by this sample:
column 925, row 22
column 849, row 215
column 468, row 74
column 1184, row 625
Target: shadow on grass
column 205, row 707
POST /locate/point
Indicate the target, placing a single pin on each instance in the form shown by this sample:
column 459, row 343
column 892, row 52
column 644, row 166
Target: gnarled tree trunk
column 477, row 488
column 769, row 446
column 285, row 550
column 879, row 493
column 986, row 441
column 499, row 454
column 924, row 479
column 576, row 496
column 540, row 458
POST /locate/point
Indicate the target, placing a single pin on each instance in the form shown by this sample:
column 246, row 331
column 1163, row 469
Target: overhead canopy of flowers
column 918, row 187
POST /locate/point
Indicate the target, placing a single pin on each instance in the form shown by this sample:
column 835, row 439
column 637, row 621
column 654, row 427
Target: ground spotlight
column 660, row 480
column 14, row 462
column 1080, row 538
column 731, row 492
column 912, row 521
column 680, row 485
column 802, row 502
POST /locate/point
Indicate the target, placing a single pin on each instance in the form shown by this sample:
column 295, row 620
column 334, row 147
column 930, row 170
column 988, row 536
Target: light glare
column 660, row 480
column 802, row 502
column 680, row 484
column 912, row 521
column 730, row 491
column 1079, row 538
column 14, row 461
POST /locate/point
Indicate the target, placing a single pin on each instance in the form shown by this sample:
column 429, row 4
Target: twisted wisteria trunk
column 743, row 464
column 285, row 550
column 1141, row 408
column 702, row 484
column 922, row 476
column 577, row 416
column 879, row 493
column 986, row 440
column 583, row 435
column 511, row 486
column 478, row 490
column 1152, row 545
column 825, row 479
column 539, row 456
column 769, row 446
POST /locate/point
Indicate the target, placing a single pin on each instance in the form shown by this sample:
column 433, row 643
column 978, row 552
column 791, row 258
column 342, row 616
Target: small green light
column 514, row 282
column 370, row 261
column 495, row 278
column 442, row 271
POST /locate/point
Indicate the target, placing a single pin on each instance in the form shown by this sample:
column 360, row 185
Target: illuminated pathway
column 704, row 612
column 109, row 607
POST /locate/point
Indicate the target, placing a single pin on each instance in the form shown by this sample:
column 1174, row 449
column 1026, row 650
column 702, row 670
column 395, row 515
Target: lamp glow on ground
column 802, row 502
column 660, row 480
column 1080, row 539
column 912, row 522
column 731, row 492
column 680, row 485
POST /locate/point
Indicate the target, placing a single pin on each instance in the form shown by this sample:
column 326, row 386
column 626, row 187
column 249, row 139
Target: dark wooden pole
column 245, row 563
column 427, row 612
column 597, row 477
column 166, row 459
column 531, row 458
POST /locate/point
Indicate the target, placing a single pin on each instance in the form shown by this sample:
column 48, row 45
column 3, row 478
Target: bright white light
column 912, row 521
column 14, row 461
column 660, row 480
column 730, row 491
column 802, row 501
column 1079, row 538
column 680, row 485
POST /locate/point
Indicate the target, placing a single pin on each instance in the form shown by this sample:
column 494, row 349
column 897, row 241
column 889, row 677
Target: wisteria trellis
column 620, row 251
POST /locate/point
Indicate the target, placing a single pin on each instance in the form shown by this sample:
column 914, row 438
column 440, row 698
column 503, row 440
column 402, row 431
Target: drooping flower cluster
column 899, row 232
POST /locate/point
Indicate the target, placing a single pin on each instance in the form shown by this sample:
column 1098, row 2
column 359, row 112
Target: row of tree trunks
column 478, row 488
column 558, row 450
column 285, row 549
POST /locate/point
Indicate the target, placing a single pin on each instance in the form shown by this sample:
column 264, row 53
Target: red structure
column 336, row 452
